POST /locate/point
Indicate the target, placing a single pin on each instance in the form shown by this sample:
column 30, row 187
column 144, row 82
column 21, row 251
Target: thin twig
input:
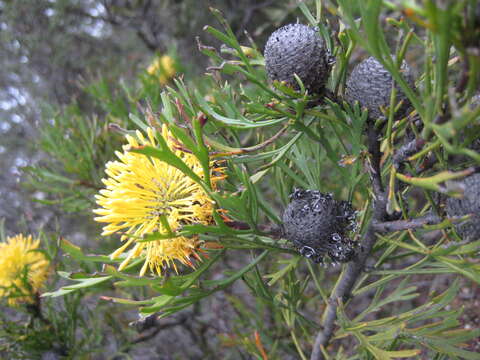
column 410, row 224
column 152, row 322
column 376, row 155
column 245, row 150
column 157, row 329
column 406, row 151
column 464, row 76
column 399, row 225
column 237, row 151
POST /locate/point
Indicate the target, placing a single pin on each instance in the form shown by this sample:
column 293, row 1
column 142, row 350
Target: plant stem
column 409, row 224
column 297, row 345
column 355, row 268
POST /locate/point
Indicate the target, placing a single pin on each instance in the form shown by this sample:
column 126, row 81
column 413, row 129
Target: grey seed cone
column 318, row 225
column 469, row 204
column 298, row 49
column 470, row 130
column 370, row 84
column 475, row 102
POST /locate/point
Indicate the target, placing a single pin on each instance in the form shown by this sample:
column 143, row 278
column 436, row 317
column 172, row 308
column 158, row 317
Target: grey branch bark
column 400, row 225
column 355, row 268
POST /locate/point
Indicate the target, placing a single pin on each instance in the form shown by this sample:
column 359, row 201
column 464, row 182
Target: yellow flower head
column 164, row 67
column 23, row 269
column 139, row 190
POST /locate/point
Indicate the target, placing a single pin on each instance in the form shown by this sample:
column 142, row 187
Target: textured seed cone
column 469, row 204
column 475, row 102
column 470, row 131
column 318, row 226
column 298, row 49
column 370, row 84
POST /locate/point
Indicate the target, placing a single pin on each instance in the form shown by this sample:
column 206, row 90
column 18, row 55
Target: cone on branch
column 298, row 49
column 371, row 85
column 318, row 226
column 468, row 204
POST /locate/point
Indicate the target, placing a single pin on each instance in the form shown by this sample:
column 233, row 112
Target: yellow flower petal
column 23, row 269
column 164, row 68
column 140, row 190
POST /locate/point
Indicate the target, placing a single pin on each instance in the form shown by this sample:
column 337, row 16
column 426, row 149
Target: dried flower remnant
column 23, row 269
column 298, row 49
column 141, row 191
column 318, row 225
